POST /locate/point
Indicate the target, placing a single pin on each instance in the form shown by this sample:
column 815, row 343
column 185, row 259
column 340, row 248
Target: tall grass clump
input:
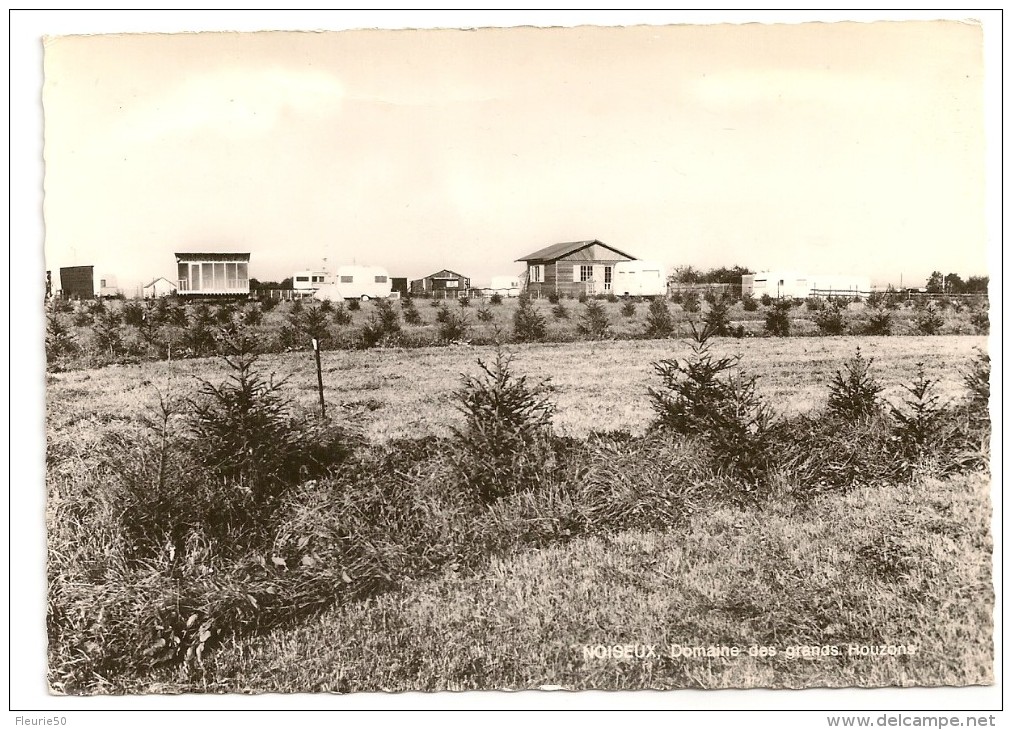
column 528, row 324
column 505, row 444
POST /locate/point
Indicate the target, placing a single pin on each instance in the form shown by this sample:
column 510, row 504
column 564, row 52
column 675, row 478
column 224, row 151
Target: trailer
column 356, row 282
column 507, row 286
column 639, row 279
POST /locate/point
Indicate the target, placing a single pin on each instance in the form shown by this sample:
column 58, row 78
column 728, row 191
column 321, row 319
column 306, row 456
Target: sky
column 854, row 148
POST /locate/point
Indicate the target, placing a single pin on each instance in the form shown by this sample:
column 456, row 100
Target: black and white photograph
column 601, row 357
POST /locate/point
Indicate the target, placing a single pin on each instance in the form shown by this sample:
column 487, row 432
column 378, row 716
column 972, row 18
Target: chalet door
column 195, row 277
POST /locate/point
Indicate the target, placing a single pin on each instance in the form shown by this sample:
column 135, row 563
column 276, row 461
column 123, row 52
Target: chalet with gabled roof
column 574, row 268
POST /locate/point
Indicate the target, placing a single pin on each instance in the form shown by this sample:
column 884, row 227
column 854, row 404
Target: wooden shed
column 77, row 282
column 444, row 283
column 574, row 268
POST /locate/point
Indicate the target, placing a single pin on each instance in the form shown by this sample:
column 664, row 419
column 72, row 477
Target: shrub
column 133, row 314
column 106, row 334
column 506, row 440
column 559, row 311
column 691, row 391
column 880, row 323
column 411, row 315
column 268, row 303
column 454, row 327
column 611, row 297
column 917, row 418
column 341, row 315
column 978, row 381
column 830, row 320
column 495, row 299
column 981, row 321
column 59, row 340
column 528, row 324
column 582, row 298
column 594, row 321
column 223, row 313
column 749, row 303
column 718, row 318
column 251, row 315
column 856, row 393
column 659, row 322
column 315, row 326
column 815, row 304
column 442, row 313
column 628, row 308
column 83, row 318
column 709, row 296
column 690, row 301
column 737, row 425
column 464, row 302
column 383, row 326
column 326, row 306
column 778, row 319
column 353, row 305
column 553, row 297
column 766, row 300
column 929, row 322
column 484, row 314
column 389, row 318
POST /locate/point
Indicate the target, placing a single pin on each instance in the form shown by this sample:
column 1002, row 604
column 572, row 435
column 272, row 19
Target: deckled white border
column 28, row 661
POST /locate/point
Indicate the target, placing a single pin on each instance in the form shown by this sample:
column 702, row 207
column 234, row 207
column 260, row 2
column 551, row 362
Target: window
column 101, row 283
column 381, row 280
column 317, row 279
column 241, row 275
column 586, row 273
column 607, row 277
column 347, row 279
column 303, row 278
column 219, row 276
column 451, row 284
column 536, row 273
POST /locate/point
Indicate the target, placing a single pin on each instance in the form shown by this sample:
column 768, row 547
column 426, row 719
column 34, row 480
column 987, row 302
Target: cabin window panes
column 381, row 280
column 586, row 273
column 607, row 277
column 536, row 273
column 317, row 279
column 451, row 284
column 240, row 271
column 347, row 279
column 207, row 276
column 302, row 278
column 230, row 276
column 219, row 276
column 182, row 274
column 195, row 277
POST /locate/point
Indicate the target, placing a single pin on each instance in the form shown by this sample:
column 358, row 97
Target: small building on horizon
column 797, row 285
column 572, row 268
column 160, row 287
column 77, row 282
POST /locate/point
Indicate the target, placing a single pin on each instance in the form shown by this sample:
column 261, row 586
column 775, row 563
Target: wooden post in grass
column 319, row 377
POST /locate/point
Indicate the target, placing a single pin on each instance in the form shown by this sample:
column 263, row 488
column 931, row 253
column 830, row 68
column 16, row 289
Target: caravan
column 639, row 279
column 356, row 282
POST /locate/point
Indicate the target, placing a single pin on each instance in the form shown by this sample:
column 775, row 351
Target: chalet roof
column 558, row 250
column 445, row 274
column 211, row 256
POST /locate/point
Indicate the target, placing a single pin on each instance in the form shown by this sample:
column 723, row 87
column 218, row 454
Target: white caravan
column 357, row 282
column 639, row 279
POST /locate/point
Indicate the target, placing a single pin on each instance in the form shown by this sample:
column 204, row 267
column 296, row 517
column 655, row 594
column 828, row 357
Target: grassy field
column 908, row 566
column 397, row 393
column 385, row 569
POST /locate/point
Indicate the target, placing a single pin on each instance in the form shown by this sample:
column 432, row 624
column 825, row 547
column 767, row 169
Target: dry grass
column 909, row 565
column 397, row 393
